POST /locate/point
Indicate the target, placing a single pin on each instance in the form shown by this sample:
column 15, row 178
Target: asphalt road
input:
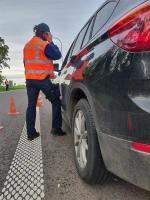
column 61, row 181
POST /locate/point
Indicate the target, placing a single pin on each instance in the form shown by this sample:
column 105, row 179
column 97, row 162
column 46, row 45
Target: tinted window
column 68, row 56
column 122, row 7
column 87, row 36
column 102, row 16
column 71, row 49
column 79, row 40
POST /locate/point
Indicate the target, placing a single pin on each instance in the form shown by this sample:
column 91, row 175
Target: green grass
column 17, row 87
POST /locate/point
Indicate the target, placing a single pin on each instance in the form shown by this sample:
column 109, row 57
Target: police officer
column 39, row 53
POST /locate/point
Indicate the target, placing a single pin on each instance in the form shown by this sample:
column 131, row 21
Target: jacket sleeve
column 52, row 51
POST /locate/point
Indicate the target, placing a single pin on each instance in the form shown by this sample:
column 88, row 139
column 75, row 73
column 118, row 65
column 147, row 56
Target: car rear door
column 68, row 68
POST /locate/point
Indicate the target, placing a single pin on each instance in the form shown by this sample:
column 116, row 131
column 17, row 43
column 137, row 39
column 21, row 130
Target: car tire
column 87, row 155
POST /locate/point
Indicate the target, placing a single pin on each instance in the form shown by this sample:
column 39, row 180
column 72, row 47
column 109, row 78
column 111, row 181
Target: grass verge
column 17, row 87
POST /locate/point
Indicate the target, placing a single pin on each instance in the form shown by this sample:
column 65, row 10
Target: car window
column 68, row 55
column 88, row 33
column 102, row 16
column 80, row 39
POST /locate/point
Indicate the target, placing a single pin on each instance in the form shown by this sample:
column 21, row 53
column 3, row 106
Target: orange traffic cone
column 12, row 107
column 39, row 101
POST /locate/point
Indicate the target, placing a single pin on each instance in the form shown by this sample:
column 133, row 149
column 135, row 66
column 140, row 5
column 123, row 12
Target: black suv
column 105, row 86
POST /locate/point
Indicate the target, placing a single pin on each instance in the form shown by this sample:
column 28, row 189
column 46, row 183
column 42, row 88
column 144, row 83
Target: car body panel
column 116, row 84
column 129, row 164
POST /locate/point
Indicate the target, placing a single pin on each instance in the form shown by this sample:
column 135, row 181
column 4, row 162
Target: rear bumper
column 121, row 159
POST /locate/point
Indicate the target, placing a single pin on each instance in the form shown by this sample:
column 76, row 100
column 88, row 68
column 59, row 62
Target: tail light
column 132, row 32
column 141, row 147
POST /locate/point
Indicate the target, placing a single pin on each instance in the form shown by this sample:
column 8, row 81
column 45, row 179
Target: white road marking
column 25, row 177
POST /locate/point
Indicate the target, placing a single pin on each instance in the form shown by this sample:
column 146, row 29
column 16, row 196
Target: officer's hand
column 48, row 37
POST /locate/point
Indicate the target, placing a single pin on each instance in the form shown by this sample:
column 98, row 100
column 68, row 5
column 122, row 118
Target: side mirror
column 56, row 67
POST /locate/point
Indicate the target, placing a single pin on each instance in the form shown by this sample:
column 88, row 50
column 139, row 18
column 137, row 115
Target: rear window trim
column 92, row 20
column 116, row 2
column 92, row 17
column 83, row 37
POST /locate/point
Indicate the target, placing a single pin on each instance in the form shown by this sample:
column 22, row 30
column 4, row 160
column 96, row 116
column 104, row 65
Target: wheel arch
column 79, row 91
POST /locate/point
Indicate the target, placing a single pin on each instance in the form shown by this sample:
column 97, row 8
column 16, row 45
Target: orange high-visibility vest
column 37, row 65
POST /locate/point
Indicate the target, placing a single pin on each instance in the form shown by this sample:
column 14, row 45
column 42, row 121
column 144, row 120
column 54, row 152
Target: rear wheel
column 88, row 159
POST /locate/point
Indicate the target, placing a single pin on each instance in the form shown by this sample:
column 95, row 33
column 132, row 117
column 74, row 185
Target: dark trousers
column 51, row 93
column 7, row 87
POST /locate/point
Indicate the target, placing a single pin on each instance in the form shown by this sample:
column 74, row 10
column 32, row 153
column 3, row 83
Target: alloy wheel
column 80, row 139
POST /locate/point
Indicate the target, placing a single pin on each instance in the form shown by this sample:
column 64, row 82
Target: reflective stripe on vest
column 38, row 61
column 38, row 50
column 30, row 71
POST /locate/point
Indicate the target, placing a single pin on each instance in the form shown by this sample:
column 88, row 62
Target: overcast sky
column 17, row 18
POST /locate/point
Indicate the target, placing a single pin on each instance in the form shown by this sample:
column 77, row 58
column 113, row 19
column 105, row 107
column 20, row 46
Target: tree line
column 4, row 58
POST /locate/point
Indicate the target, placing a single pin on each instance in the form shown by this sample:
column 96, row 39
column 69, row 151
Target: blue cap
column 43, row 27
